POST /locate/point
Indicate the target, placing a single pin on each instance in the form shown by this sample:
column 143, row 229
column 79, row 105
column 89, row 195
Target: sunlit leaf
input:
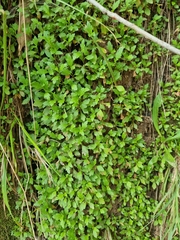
column 155, row 111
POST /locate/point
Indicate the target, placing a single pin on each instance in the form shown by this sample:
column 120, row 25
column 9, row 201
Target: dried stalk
column 134, row 27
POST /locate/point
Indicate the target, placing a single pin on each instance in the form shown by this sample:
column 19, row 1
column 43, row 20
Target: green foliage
column 89, row 170
column 168, row 207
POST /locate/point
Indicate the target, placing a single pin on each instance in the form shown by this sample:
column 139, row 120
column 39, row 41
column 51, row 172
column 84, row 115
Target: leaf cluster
column 89, row 101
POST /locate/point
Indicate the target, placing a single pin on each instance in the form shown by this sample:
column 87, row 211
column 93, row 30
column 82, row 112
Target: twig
column 134, row 27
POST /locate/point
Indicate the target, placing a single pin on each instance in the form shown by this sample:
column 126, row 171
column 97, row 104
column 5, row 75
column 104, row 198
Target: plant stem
column 4, row 57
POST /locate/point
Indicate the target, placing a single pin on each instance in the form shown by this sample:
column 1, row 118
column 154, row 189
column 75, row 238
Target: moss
column 6, row 221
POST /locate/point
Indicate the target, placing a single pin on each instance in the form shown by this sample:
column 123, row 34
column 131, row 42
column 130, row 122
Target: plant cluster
column 89, row 169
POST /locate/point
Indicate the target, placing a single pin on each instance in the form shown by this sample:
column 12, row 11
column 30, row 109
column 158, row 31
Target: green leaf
column 155, row 111
column 130, row 57
column 100, row 168
column 26, row 100
column 139, row 119
column 55, row 79
column 150, row 1
column 121, row 89
column 100, row 115
column 82, row 206
column 110, row 170
column 99, row 195
column 109, row 46
column 52, row 195
column 74, row 87
column 79, row 176
column 80, row 226
column 177, row 136
column 76, row 55
column 119, row 53
column 88, row 28
column 85, row 151
column 128, row 185
column 95, row 232
column 47, row 96
column 69, row 60
column 116, row 5
column 6, row 90
column 169, row 158
column 147, row 11
column 109, row 125
column 101, row 201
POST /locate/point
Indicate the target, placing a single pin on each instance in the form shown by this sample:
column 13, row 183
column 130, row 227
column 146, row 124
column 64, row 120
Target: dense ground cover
column 77, row 124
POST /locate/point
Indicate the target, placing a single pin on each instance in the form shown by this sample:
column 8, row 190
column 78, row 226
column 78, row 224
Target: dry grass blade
column 25, row 40
column 38, row 151
column 168, row 207
column 22, row 35
column 4, row 188
column 4, row 58
column 107, row 235
column 4, row 180
column 44, row 163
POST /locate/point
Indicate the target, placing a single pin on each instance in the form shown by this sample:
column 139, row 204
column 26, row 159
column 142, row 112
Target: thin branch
column 134, row 27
